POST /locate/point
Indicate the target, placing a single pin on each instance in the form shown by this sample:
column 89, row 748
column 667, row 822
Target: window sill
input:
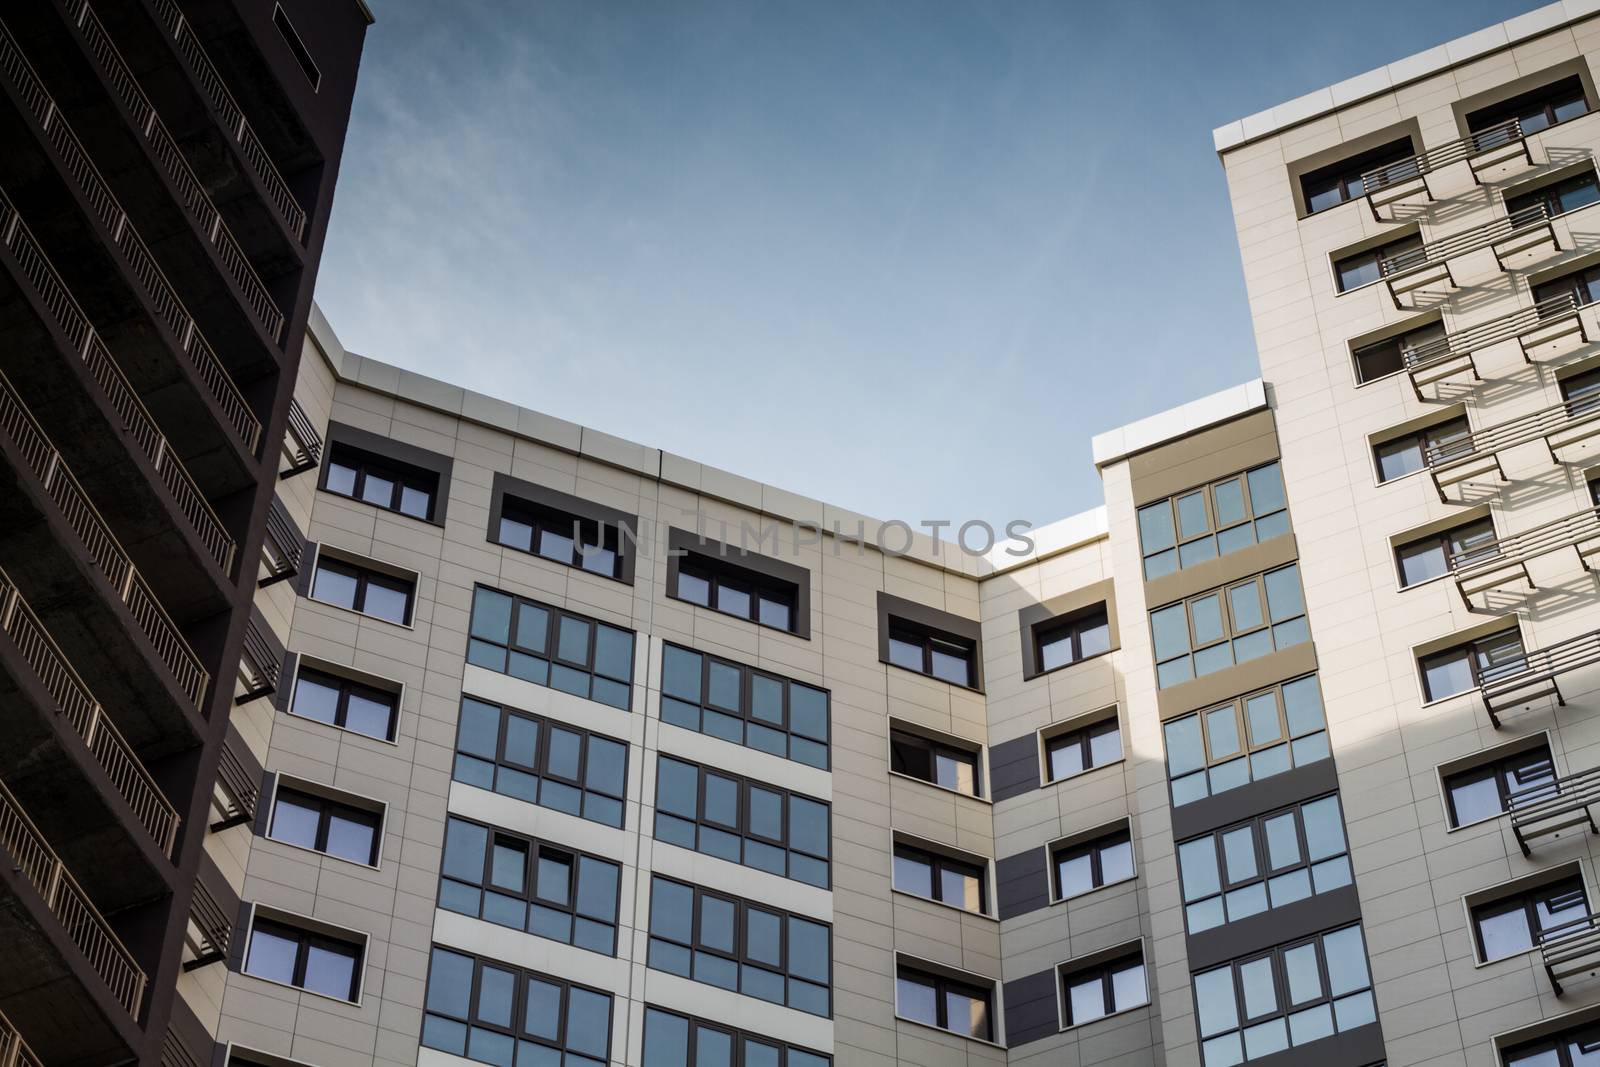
column 564, row 566
column 1419, row 585
column 326, row 856
column 716, row 613
column 1478, row 964
column 378, row 507
column 1069, row 666
column 1046, row 783
column 941, row 1030
column 1103, row 1018
column 1337, row 292
column 942, row 904
column 940, row 788
column 361, row 614
column 1474, row 823
column 941, row 681
column 345, row 729
column 1054, row 900
column 1380, row 378
column 1400, row 478
column 356, row 1003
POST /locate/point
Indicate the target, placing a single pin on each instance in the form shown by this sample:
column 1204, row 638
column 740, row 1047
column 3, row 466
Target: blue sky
column 904, row 257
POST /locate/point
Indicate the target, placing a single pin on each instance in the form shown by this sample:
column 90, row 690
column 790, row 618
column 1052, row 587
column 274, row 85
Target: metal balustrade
column 258, row 667
column 1546, row 809
column 164, row 147
column 14, row 1052
column 142, row 264
column 1477, row 453
column 1570, row 950
column 1403, row 178
column 1408, row 271
column 214, row 926
column 137, row 420
column 35, row 860
column 281, row 548
column 25, row 433
column 302, row 444
column 232, row 117
column 175, row 1053
column 1445, row 357
column 87, row 717
column 1533, row 674
column 240, row 793
column 1496, row 563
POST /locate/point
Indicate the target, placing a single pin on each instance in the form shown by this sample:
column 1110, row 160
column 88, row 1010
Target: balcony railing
column 1478, row 452
column 258, row 667
column 232, row 117
column 213, row 925
column 281, row 548
column 302, row 444
column 1404, row 178
column 1446, row 357
column 130, row 586
column 163, row 297
column 87, row 718
column 1533, row 674
column 32, row 856
column 141, row 426
column 1504, row 560
column 165, row 149
column 1570, row 950
column 1411, row 270
column 14, row 1052
column 239, row 792
column 174, row 1053
column 1554, row 805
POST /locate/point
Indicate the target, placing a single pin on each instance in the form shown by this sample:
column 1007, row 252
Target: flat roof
column 1181, row 421
column 1402, row 72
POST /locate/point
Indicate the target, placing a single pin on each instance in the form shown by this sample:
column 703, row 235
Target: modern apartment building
column 166, row 173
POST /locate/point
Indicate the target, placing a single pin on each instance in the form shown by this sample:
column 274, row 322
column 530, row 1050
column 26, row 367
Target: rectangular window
column 1471, row 664
column 749, row 707
column 718, row 583
column 934, row 876
column 1439, row 553
column 1581, row 392
column 1485, row 791
column 1214, row 520
column 515, row 881
column 1577, row 1046
column 371, row 592
column 1084, row 749
column 1364, row 268
column 552, row 647
column 1383, row 358
column 1409, row 453
column 560, row 536
column 1536, row 110
column 315, row 962
column 541, row 762
column 741, row 946
column 1557, row 198
column 1268, row 862
column 741, row 821
column 1246, row 740
column 1092, row 865
column 498, row 1014
column 327, row 826
column 948, row 766
column 1340, row 182
column 1514, row 924
column 673, row 1040
column 945, row 656
column 297, row 47
column 384, row 483
column 1239, row 623
column 1072, row 640
column 1578, row 289
column 1287, row 997
column 946, row 1003
column 1104, row 989
column 347, row 704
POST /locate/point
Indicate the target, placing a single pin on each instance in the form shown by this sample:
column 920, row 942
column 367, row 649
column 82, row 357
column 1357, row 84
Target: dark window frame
column 1444, row 432
column 935, row 748
column 1393, row 348
column 1250, row 522
column 1294, row 741
column 1104, row 972
column 927, row 640
column 937, row 862
column 898, row 614
column 1583, row 284
column 1082, row 736
column 737, row 1041
column 746, row 710
column 1375, row 255
column 1500, row 769
column 347, row 687
column 1472, row 650
column 481, row 650
column 304, row 940
column 1072, row 629
column 1548, row 195
column 1447, row 540
column 415, row 462
column 326, row 808
column 1527, row 901
column 363, row 464
column 1586, row 1033
column 523, row 976
column 585, row 522
column 365, row 577
column 297, row 47
column 1345, row 174
column 941, row 984
column 1234, row 629
column 1094, row 848
column 1512, row 107
column 755, row 575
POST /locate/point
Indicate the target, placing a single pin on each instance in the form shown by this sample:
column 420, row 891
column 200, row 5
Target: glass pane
column 677, row 787
column 1086, row 1000
column 391, row 603
column 680, row 673
column 1283, row 842
column 315, row 700
column 588, row 1021
column 331, row 970
column 1185, row 752
column 1251, row 900
column 1311, row 1024
column 1228, row 497
column 766, row 699
column 808, row 712
column 295, row 821
column 495, row 993
column 352, row 837
column 1245, row 603
column 1116, row 862
column 733, row 600
column 1421, row 562
column 717, row 927
column 1066, row 756
column 1324, row 828
column 1207, row 615
column 917, row 1000
column 613, row 652
column 415, row 502
column 666, row 1039
column 378, row 490
column 951, row 663
column 1127, row 988
column 913, row 874
column 1261, row 712
column 808, row 950
column 1215, row 1003
column 1239, row 850
column 766, row 813
column 1398, row 458
column 693, row 588
column 606, row 768
column 341, row 479
column 1266, row 490
column 763, row 936
column 1288, row 888
column 1222, row 731
column 1269, row 761
column 1302, row 705
column 449, row 983
column 1171, row 632
column 572, row 642
column 1075, row 874
column 1192, row 518
column 1222, row 1051
column 1447, row 674
column 1266, row 1038
column 773, row 611
column 1105, row 744
column 334, row 587
column 1155, row 528
column 1504, row 933
column 533, row 628
column 725, row 686
column 367, row 714
column 1260, row 992
column 1284, row 600
column 563, row 752
column 968, row 1015
column 722, row 801
column 808, row 826
column 1197, row 865
column 1300, row 967
column 903, row 653
column 271, row 956
column 961, row 886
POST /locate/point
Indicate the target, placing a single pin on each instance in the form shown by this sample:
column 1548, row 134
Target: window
column 1289, row 996
column 326, row 826
column 515, row 881
column 1104, row 989
column 316, row 963
column 1268, row 862
column 673, row 1040
column 1582, row 287
column 1246, row 740
column 1237, row 624
column 383, row 483
column 1364, row 268
column 1536, row 110
column 559, row 536
column 552, row 647
column 347, row 704
column 1578, row 1046
column 1437, row 554
column 934, row 876
column 1557, row 198
column 1085, row 867
column 1341, row 182
column 498, row 1014
column 746, row 706
column 1513, row 924
column 742, row 821
column 544, row 763
column 297, row 47
column 740, row 946
column 1581, row 392
column 1083, row 749
column 1471, row 664
column 924, row 650
column 1072, row 640
column 718, row 583
column 1410, row 452
column 1214, row 520
column 944, row 765
column 1383, row 358
column 1485, row 791
column 947, row 1003
column 355, row 588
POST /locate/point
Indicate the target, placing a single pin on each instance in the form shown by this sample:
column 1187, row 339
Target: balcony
column 1504, row 561
column 1534, row 674
column 1558, row 804
column 282, row 548
column 1457, row 462
column 1412, row 271
column 259, row 666
column 212, row 911
column 302, row 444
column 1571, row 950
column 1395, row 183
column 238, row 790
column 1548, row 322
column 14, row 1052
